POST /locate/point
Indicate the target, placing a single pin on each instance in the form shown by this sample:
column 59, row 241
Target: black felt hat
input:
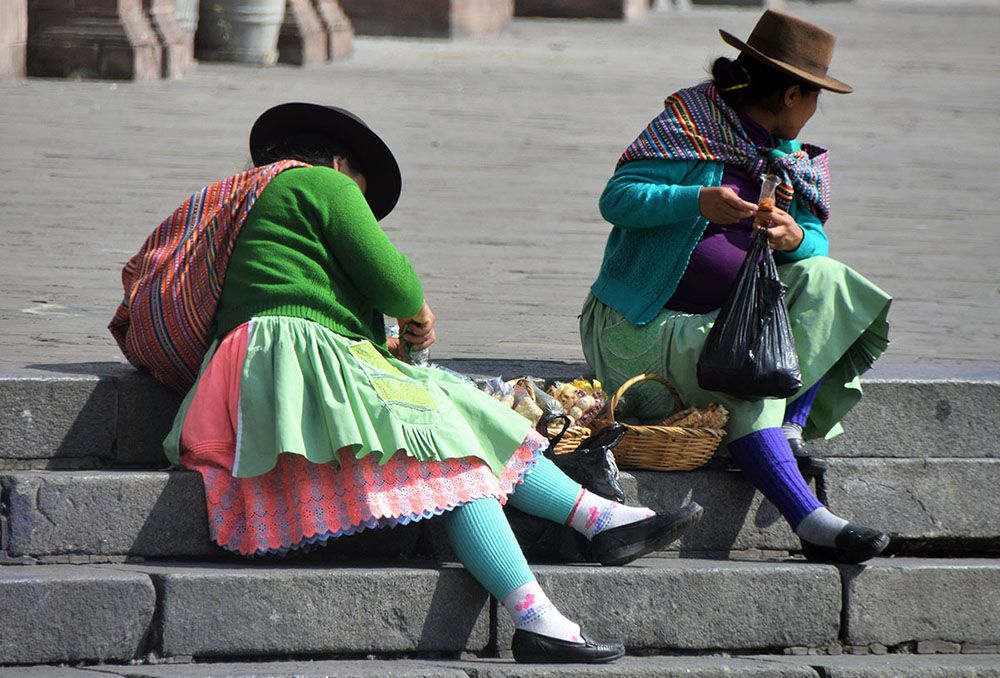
column 379, row 165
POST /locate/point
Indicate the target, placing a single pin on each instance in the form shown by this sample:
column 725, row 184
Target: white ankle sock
column 593, row 513
column 791, row 430
column 531, row 610
column 820, row 527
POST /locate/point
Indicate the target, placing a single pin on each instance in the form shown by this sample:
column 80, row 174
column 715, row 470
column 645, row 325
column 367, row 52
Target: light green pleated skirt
column 838, row 319
column 304, row 389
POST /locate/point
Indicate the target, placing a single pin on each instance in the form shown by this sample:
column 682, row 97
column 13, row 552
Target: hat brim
column 824, row 82
column 380, row 168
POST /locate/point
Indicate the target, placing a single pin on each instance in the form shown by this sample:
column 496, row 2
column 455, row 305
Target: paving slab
column 54, row 672
column 57, row 417
column 399, row 668
column 901, row 600
column 142, row 514
column 247, row 610
column 688, row 604
column 898, row 666
column 505, row 145
column 105, row 513
column 918, row 498
column 908, row 416
column 61, row 613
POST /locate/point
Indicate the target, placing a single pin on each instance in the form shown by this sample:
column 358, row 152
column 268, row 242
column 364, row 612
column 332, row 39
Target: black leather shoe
column 623, row 544
column 533, row 648
column 809, row 466
column 854, row 544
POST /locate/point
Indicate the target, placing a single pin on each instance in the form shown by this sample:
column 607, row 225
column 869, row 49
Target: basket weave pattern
column 661, row 447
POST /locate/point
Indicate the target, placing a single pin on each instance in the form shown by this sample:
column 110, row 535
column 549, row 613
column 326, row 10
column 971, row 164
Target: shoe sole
column 825, row 554
column 547, row 659
column 626, row 555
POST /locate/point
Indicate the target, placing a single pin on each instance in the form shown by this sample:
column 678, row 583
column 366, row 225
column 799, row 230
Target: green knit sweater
column 311, row 248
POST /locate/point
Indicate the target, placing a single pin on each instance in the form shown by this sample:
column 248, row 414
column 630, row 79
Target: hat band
column 778, row 53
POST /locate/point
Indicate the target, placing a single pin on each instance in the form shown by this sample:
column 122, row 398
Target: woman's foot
column 623, row 544
column 534, row 648
column 854, row 544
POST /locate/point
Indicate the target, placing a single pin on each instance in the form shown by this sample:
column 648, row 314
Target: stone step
column 746, row 666
column 931, row 506
column 111, row 415
column 212, row 612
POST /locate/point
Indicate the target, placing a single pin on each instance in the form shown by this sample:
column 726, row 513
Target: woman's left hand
column 783, row 234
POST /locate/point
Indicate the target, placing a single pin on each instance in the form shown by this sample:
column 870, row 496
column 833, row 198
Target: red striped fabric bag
column 172, row 286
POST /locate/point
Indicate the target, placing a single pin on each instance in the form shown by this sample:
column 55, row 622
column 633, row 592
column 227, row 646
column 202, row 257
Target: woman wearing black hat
column 683, row 204
column 303, row 422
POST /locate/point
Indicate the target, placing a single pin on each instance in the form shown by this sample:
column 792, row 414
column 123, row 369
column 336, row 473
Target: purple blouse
column 717, row 257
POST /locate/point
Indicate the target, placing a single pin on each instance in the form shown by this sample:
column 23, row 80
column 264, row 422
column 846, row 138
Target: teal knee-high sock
column 486, row 546
column 546, row 492
column 484, row 542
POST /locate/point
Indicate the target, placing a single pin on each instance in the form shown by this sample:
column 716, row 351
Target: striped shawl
column 172, row 286
column 696, row 124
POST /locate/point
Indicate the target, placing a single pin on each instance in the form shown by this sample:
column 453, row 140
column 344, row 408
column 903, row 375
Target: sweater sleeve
column 814, row 241
column 361, row 248
column 648, row 194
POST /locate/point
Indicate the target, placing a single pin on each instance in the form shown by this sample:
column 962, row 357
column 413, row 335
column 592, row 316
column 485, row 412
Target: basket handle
column 635, row 380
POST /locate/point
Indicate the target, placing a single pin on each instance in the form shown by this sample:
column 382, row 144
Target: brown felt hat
column 380, row 167
column 792, row 45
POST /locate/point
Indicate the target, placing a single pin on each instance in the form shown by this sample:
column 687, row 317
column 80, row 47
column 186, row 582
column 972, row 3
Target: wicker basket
column 661, row 447
column 569, row 436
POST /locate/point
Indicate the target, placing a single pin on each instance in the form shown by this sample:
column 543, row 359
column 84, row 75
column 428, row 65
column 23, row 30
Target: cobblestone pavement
column 505, row 144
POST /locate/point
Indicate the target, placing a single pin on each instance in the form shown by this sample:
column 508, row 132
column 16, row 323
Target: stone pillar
column 13, row 37
column 339, row 31
column 582, row 9
column 429, row 18
column 303, row 39
column 177, row 45
column 109, row 39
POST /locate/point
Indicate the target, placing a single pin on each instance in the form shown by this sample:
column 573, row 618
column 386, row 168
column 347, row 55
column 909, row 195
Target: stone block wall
column 110, row 39
column 13, row 37
column 428, row 18
column 582, row 9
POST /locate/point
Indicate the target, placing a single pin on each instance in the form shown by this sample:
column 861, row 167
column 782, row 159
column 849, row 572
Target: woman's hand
column 721, row 205
column 783, row 234
column 417, row 330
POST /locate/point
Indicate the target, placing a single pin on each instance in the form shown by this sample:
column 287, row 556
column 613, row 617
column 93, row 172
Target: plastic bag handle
column 635, row 380
column 543, row 427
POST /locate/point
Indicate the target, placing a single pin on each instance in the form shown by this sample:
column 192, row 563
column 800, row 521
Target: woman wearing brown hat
column 682, row 203
column 303, row 422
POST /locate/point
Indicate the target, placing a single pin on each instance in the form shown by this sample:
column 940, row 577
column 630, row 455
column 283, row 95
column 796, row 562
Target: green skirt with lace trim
column 838, row 319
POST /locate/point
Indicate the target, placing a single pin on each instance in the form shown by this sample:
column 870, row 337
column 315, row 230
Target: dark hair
column 748, row 81
column 314, row 149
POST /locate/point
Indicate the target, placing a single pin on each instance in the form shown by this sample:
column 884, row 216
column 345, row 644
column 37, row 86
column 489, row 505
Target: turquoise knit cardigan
column 653, row 208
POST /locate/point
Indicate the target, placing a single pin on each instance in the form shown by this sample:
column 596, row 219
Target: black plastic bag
column 592, row 465
column 750, row 351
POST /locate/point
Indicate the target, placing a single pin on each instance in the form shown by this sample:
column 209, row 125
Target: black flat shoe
column 855, row 544
column 809, row 466
column 533, row 648
column 623, row 544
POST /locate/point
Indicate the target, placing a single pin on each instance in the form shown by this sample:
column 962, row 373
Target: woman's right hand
column 721, row 205
column 419, row 328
